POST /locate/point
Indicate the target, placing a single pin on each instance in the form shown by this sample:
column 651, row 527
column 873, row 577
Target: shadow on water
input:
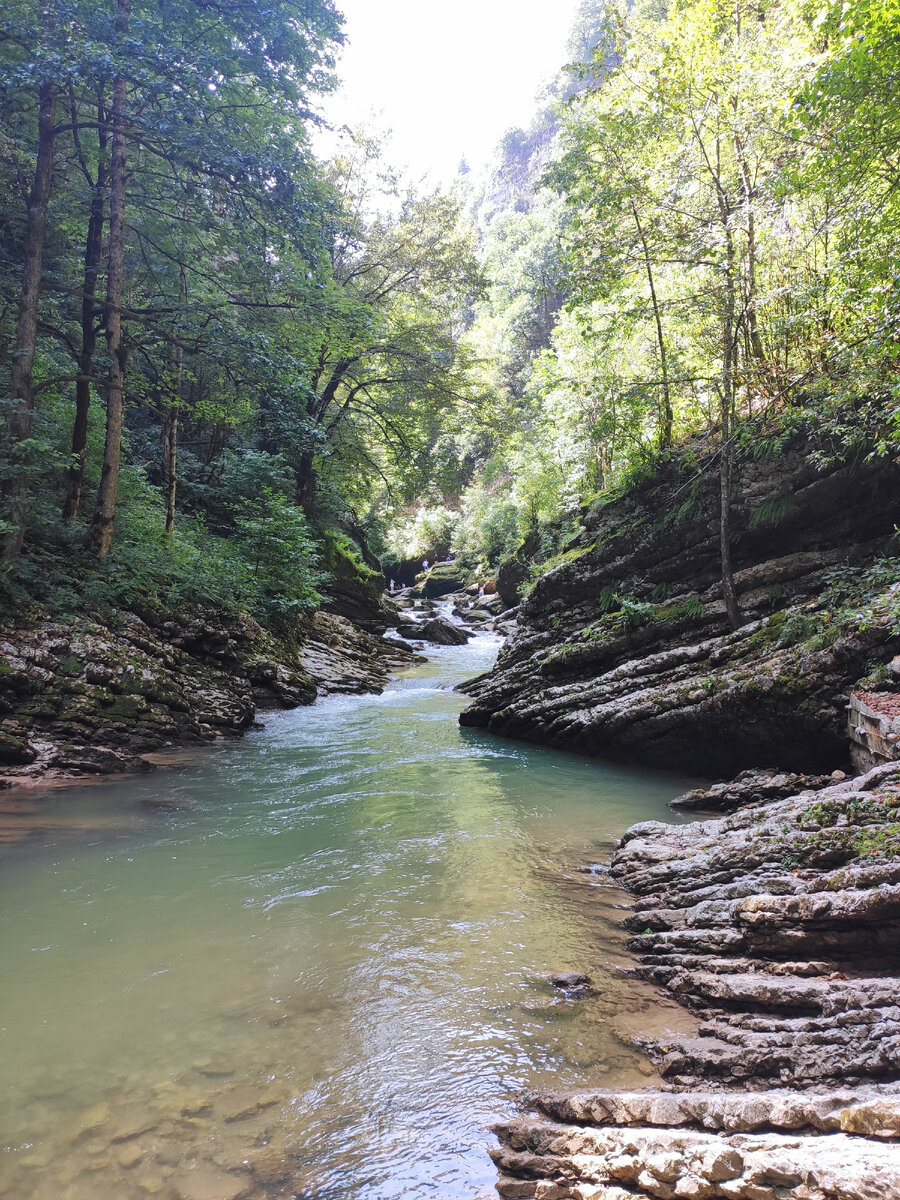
column 312, row 962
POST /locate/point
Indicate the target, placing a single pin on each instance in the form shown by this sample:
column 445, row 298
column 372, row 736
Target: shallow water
column 312, row 962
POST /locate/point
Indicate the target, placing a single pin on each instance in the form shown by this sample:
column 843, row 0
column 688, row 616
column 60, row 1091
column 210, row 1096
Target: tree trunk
column 305, row 475
column 171, row 407
column 92, row 252
column 21, row 417
column 667, row 416
column 104, row 516
column 170, row 448
column 727, row 452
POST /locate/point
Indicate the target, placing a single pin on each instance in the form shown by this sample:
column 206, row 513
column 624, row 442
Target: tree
column 388, row 363
column 20, row 420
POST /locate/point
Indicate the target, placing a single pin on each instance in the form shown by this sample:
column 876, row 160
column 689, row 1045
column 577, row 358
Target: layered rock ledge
column 92, row 696
column 605, row 1146
column 623, row 649
column 778, row 926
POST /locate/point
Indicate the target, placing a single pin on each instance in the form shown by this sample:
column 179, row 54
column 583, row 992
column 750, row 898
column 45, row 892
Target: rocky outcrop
column 93, row 696
column 779, row 927
column 440, row 580
column 699, row 1146
column 752, row 787
column 623, row 648
column 355, row 588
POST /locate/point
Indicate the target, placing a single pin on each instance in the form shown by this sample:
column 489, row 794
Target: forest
column 229, row 360
column 357, row 879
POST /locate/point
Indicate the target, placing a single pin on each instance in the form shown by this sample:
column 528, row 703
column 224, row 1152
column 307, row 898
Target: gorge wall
column 95, row 693
column 623, row 647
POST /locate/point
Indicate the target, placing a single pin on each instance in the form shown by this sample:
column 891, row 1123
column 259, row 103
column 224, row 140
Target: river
column 312, row 962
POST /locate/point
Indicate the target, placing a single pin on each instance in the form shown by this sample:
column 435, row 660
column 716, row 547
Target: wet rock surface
column 752, row 787
column 623, row 648
column 93, row 696
column 595, row 1147
column 778, row 927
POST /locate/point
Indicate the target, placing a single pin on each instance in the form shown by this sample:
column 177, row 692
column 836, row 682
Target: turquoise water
column 312, row 963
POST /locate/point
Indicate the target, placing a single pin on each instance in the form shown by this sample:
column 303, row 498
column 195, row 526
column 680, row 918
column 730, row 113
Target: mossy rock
column 71, row 666
column 15, row 752
column 441, row 580
column 355, row 588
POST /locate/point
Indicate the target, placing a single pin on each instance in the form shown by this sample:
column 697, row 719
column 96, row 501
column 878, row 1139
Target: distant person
column 393, row 586
column 424, row 564
column 481, row 589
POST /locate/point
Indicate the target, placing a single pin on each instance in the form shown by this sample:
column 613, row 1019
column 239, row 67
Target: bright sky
column 448, row 77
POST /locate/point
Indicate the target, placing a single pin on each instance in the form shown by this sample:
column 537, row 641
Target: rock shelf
column 622, row 647
column 92, row 697
column 778, row 926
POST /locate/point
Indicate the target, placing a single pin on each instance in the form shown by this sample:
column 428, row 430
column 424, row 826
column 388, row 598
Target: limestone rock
column 443, row 632
column 779, row 925
column 92, row 698
column 624, row 649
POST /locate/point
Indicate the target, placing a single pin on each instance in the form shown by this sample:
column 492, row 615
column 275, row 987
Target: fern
column 691, row 606
column 634, row 613
column 608, row 599
column 773, row 511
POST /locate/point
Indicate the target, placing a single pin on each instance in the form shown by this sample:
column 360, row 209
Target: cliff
column 93, row 694
column 622, row 648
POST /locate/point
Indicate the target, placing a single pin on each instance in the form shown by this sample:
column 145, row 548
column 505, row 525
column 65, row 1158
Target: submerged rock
column 573, row 982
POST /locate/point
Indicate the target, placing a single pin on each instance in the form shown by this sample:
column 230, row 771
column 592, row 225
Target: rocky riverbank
column 93, row 696
column 622, row 647
column 778, row 926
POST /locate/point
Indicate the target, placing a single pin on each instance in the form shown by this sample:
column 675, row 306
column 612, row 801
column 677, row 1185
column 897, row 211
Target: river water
column 313, row 962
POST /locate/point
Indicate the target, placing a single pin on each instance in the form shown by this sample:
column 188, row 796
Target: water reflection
column 311, row 963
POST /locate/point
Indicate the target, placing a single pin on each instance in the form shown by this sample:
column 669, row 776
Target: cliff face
column 93, row 695
column 624, row 650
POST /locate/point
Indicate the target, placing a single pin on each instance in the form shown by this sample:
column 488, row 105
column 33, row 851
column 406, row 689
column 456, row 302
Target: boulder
column 440, row 580
column 443, row 632
column 15, row 751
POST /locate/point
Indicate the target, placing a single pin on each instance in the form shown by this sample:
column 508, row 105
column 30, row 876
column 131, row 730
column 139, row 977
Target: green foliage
column 607, row 599
column 427, row 532
column 824, row 812
column 633, row 613
column 702, row 233
column 878, row 842
column 773, row 511
column 338, row 547
column 273, row 538
column 691, row 606
column 797, row 627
